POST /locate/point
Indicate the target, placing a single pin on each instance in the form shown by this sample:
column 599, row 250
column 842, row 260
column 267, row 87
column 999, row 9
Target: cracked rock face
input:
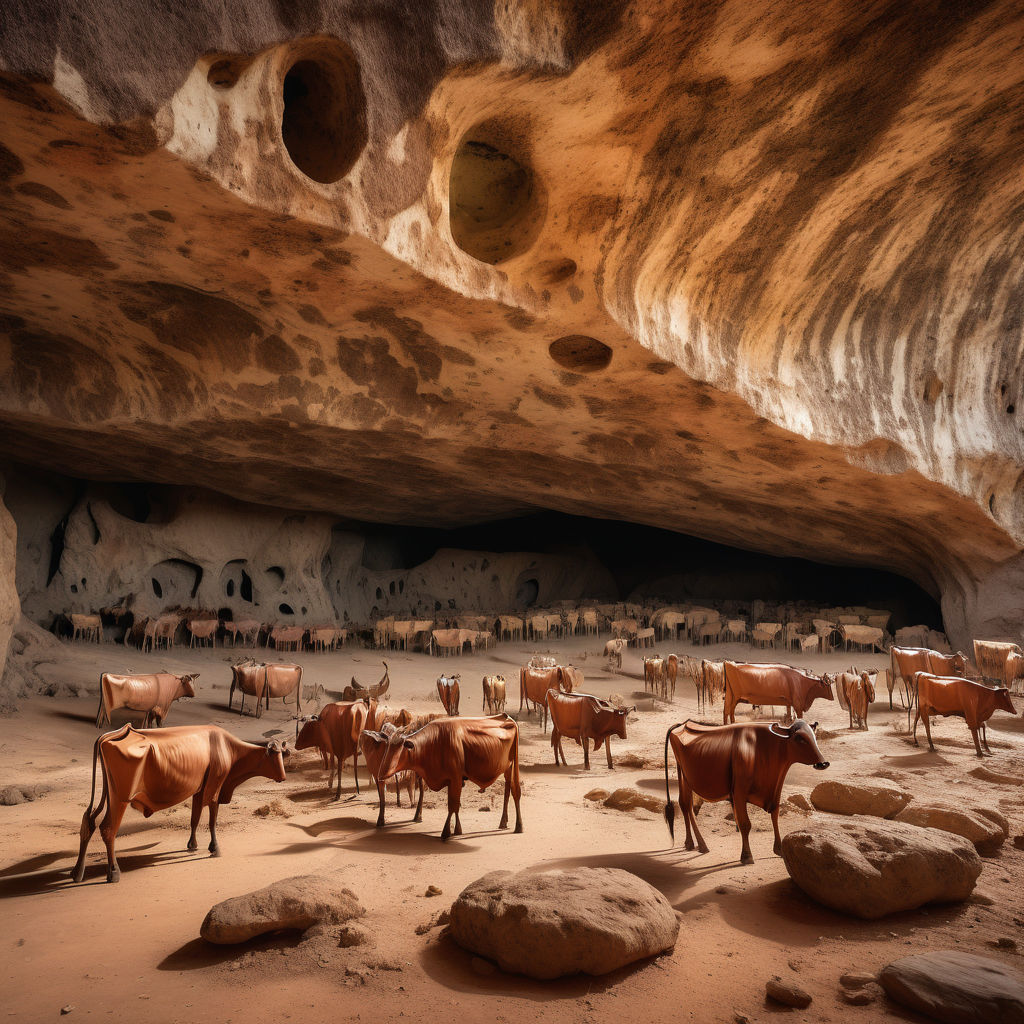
column 751, row 272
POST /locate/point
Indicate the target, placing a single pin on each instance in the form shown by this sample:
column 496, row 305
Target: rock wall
column 10, row 607
column 748, row 271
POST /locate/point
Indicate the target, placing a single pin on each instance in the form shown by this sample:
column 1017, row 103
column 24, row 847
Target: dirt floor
column 132, row 951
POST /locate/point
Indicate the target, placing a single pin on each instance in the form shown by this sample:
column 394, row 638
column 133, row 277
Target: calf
column 771, row 685
column 494, row 694
column 448, row 691
column 963, row 698
column 583, row 717
column 336, row 729
column 745, row 763
column 152, row 694
column 151, row 770
column 451, row 751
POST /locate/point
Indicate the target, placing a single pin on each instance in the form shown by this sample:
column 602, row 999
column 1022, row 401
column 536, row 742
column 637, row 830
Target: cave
column 655, row 360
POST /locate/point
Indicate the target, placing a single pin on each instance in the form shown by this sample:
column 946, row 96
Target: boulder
column 547, row 925
column 596, row 794
column 869, row 868
column 628, row 799
column 987, row 829
column 291, row 904
column 955, row 987
column 787, row 993
column 875, row 798
column 799, row 801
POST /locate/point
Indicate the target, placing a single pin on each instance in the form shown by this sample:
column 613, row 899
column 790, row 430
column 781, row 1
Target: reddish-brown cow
column 745, row 763
column 153, row 694
column 671, row 674
column 494, row 694
column 963, row 698
column 151, row 770
column 904, row 662
column 858, row 694
column 374, row 754
column 264, row 681
column 451, row 751
column 448, row 691
column 583, row 717
column 775, row 685
column 534, row 684
column 336, row 729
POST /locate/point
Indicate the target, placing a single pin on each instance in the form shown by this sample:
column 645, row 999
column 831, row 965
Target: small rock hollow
column 324, row 121
column 495, row 202
column 581, row 354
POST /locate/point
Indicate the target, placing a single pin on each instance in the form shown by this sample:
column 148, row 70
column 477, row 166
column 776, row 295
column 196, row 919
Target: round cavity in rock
column 323, row 126
column 580, row 354
column 224, row 73
column 285, row 609
column 527, row 593
column 495, row 203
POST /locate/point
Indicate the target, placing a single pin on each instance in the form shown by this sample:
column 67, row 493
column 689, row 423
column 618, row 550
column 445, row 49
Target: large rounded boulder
column 985, row 827
column 546, row 925
column 879, row 799
column 869, row 868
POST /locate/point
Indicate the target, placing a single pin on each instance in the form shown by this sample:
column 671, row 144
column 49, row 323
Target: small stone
column 65, row 1010
column 432, row 890
column 799, row 800
column 794, row 966
column 352, row 935
column 481, row 966
column 787, row 993
column 860, row 996
column 1018, row 842
column 856, row 979
column 11, row 795
column 597, row 794
column 1003, row 943
column 727, row 890
column 740, row 1018
column 627, row 799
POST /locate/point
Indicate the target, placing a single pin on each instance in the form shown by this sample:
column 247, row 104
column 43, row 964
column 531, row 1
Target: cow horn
column 774, row 728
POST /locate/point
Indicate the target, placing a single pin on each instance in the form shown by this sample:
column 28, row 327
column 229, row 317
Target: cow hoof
column 417, row 819
column 192, row 846
column 688, row 845
column 77, row 876
column 114, row 876
column 214, row 851
column 747, row 858
column 518, row 830
column 777, row 849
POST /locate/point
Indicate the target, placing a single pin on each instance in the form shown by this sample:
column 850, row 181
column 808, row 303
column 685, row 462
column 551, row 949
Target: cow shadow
column 395, row 837
column 77, row 716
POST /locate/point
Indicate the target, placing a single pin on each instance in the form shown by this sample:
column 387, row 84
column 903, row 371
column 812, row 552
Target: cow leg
column 111, row 823
column 977, row 744
column 380, row 802
column 739, row 808
column 586, row 753
column 608, row 750
column 777, row 848
column 689, row 816
column 88, row 828
column 984, row 738
column 213, row 847
column 850, row 709
column 355, row 767
column 337, row 792
column 197, row 813
column 927, row 727
column 454, row 800
column 917, row 718
column 418, row 816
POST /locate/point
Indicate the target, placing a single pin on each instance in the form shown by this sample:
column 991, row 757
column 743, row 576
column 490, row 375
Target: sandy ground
column 132, row 952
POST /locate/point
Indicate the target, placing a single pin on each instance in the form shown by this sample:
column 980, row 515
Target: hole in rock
column 379, row 595
column 391, row 588
column 230, row 588
column 224, row 73
column 157, row 589
column 177, row 579
column 245, row 589
column 275, row 572
column 581, row 354
column 1011, row 409
column 495, row 203
column 527, row 593
column 56, row 549
column 324, row 121
column 224, row 614
column 74, row 588
column 285, row 609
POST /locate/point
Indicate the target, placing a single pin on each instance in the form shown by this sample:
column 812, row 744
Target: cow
column 356, row 691
column 613, row 652
column 906, row 661
column 671, row 674
column 374, row 754
column 265, row 681
column 771, row 684
column 203, row 630
column 336, row 729
column 712, row 683
column 583, row 717
column 451, row 751
column 151, row 770
column 964, row 698
column 745, row 764
column 448, row 691
column 1000, row 661
column 152, row 694
column 384, row 715
column 653, row 674
column 858, row 691
column 88, row 626
column 494, row 694
column 534, row 684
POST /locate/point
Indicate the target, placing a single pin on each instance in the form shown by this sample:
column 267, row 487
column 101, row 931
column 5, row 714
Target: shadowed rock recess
column 752, row 272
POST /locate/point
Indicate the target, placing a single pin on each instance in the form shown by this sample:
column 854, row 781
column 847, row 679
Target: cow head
column 383, row 751
column 821, row 688
column 277, row 752
column 869, row 685
column 1002, row 701
column 309, row 734
column 959, row 664
column 802, row 745
column 185, row 684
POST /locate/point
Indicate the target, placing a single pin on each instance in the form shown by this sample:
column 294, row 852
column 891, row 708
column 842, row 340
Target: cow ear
column 814, row 728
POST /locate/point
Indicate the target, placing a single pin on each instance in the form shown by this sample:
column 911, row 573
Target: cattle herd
column 746, row 763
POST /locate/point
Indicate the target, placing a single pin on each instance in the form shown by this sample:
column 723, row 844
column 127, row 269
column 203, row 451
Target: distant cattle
column 671, row 671
column 653, row 675
column 712, row 683
column 450, row 752
column 494, row 689
column 384, row 715
column 857, row 691
column 584, row 718
column 905, row 662
column 264, row 681
column 336, row 730
column 963, row 698
column 613, row 651
column 152, row 694
column 745, row 764
column 356, row 691
column 542, row 661
column 777, row 685
column 1002, row 662
column 151, row 770
column 448, row 691
column 203, row 630
column 88, row 626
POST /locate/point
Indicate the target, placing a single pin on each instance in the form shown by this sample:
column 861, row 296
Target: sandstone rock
column 980, row 829
column 787, row 993
column 856, row 979
column 874, row 798
column 433, row 890
column 294, row 903
column 799, row 801
column 10, row 604
column 628, row 799
column 351, row 935
column 863, row 996
column 869, row 868
column 956, row 987
column 999, row 778
column 589, row 921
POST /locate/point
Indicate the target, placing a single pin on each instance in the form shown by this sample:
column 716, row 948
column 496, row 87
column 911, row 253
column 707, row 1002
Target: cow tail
column 670, row 808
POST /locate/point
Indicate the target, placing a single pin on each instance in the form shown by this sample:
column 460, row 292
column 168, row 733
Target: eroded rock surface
column 986, row 828
column 874, row 798
column 585, row 921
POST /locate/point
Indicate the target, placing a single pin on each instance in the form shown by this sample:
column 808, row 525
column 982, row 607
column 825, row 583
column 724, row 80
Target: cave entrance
column 527, row 593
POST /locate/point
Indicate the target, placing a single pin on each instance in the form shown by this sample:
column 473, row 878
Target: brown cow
column 336, row 729
column 1000, row 661
column 374, row 754
column 771, row 684
column 964, row 698
column 153, row 694
column 712, row 683
column 203, row 630
column 906, row 661
column 858, row 694
column 401, row 719
column 654, row 672
column 448, row 691
column 356, row 691
column 265, row 681
column 451, row 751
column 745, row 764
column 534, row 684
column 151, row 770
column 671, row 673
column 583, row 717
column 494, row 694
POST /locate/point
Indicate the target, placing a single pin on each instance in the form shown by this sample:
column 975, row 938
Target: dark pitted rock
column 291, row 904
column 986, row 829
column 869, row 868
column 878, row 799
column 586, row 921
column 956, row 988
